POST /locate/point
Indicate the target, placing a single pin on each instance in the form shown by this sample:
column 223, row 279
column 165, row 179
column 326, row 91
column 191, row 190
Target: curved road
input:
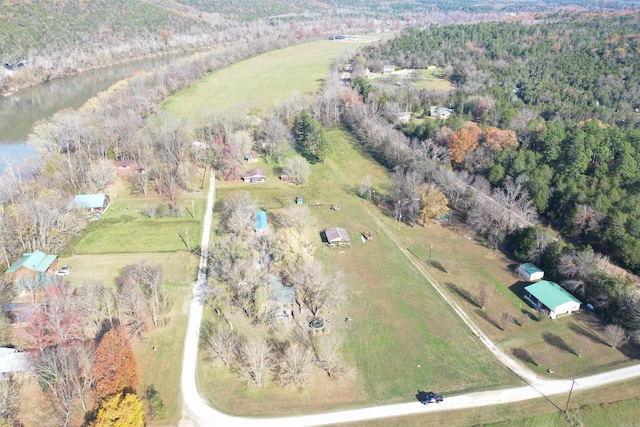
column 197, row 412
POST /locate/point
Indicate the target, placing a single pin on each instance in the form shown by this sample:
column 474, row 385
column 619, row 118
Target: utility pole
column 573, row 382
column 187, row 234
column 430, row 250
column 193, row 210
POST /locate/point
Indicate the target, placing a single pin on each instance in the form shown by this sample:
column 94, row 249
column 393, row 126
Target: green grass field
column 260, row 81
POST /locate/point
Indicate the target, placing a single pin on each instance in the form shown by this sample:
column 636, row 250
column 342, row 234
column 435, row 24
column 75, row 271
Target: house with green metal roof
column 31, row 264
column 530, row 272
column 550, row 295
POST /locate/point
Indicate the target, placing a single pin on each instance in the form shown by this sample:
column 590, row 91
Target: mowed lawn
column 260, row 81
column 402, row 338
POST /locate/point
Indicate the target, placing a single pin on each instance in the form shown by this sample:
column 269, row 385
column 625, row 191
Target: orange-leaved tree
column 121, row 410
column 115, row 368
column 463, row 142
column 498, row 139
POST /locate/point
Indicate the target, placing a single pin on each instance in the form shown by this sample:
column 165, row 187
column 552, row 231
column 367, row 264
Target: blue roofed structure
column 261, row 223
column 93, row 203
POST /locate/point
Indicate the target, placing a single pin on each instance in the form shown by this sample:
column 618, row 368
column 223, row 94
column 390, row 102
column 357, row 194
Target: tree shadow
column 438, row 265
column 523, row 355
column 464, row 294
column 558, row 342
column 587, row 333
column 488, row 318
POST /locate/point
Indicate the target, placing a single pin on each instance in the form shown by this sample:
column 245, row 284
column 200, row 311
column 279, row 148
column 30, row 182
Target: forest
column 569, row 91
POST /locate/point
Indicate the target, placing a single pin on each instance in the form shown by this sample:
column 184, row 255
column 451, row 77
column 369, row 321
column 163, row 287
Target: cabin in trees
column 336, row 236
column 282, row 298
column 261, row 223
column 549, row 295
column 128, row 167
column 530, row 272
column 388, row 69
column 255, row 175
column 251, row 156
column 94, row 204
column 35, row 263
column 440, row 112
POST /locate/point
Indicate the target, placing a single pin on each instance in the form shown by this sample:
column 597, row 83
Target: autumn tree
column 297, row 169
column 433, row 204
column 115, row 368
column 497, row 139
column 121, row 410
column 463, row 142
column 9, row 408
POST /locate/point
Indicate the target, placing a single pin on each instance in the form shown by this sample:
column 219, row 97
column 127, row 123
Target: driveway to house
column 196, row 411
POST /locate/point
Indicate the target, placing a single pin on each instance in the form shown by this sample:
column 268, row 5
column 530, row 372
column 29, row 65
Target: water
column 21, row 110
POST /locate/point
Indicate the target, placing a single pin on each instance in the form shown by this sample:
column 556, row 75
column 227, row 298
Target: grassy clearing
column 403, row 337
column 471, row 264
column 259, row 81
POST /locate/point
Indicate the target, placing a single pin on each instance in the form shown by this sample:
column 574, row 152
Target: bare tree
column 57, row 368
column 579, row 344
column 91, row 298
column 9, row 408
column 150, row 280
column 296, row 217
column 221, row 343
column 578, row 264
column 615, row 335
column 276, row 138
column 485, row 296
column 297, row 169
column 294, row 366
column 100, row 175
column 254, row 356
column 328, row 356
column 315, row 288
column 505, row 320
column 132, row 307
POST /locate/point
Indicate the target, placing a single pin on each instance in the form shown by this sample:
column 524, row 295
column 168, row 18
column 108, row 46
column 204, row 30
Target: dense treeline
column 569, row 90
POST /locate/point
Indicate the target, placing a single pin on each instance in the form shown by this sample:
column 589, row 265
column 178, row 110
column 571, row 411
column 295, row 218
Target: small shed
column 530, row 272
column 336, row 236
column 388, row 69
column 284, row 177
column 31, row 264
column 261, row 223
column 404, row 117
column 552, row 296
column 92, row 203
column 299, row 200
column 255, row 175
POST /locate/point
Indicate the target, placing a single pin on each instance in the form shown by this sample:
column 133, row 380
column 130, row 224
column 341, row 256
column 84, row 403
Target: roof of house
column 89, row 201
column 255, row 173
column 11, row 360
column 279, row 292
column 20, row 312
column 531, row 268
column 36, row 261
column 125, row 163
column 251, row 154
column 260, row 218
column 336, row 234
column 550, row 294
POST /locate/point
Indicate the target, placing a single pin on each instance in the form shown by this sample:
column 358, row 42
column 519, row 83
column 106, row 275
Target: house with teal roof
column 550, row 295
column 95, row 204
column 35, row 263
column 530, row 272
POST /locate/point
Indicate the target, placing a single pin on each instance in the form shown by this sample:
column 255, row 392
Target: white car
column 64, row 271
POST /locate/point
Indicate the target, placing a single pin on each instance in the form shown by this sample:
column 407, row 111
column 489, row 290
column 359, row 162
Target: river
column 20, row 110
